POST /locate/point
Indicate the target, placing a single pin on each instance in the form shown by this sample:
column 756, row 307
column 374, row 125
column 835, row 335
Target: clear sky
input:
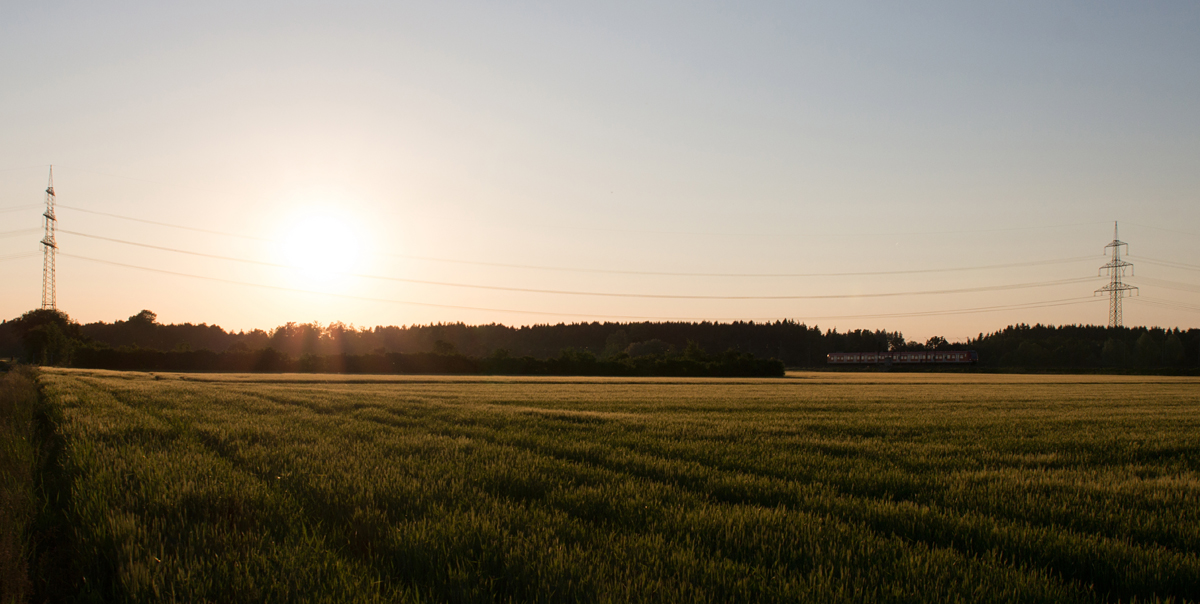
column 383, row 139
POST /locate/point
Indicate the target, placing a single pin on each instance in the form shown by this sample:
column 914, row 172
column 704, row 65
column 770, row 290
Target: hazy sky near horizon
column 386, row 139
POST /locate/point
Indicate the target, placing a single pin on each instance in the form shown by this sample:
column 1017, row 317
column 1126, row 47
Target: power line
column 1165, row 304
column 350, row 297
column 176, row 250
column 1146, row 226
column 165, row 224
column 18, row 232
column 981, row 309
column 561, row 227
column 24, row 207
column 1167, row 263
column 607, row 271
column 561, row 314
column 610, row 294
column 628, row 272
column 10, row 169
column 1176, row 285
column 751, row 275
column 17, row 256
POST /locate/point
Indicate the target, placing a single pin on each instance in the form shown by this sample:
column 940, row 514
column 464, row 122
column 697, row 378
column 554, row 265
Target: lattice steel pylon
column 1115, row 288
column 49, row 247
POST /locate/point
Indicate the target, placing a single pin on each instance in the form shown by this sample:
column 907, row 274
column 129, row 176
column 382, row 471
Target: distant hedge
column 694, row 363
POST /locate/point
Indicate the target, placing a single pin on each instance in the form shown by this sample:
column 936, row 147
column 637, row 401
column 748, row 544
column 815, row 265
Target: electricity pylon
column 49, row 247
column 1115, row 288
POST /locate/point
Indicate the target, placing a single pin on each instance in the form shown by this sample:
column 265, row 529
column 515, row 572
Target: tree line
column 50, row 337
column 141, row 343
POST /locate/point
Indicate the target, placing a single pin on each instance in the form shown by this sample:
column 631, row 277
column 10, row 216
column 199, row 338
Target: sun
column 322, row 247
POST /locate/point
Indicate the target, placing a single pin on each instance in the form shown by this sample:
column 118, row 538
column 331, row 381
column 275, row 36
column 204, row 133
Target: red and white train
column 934, row 356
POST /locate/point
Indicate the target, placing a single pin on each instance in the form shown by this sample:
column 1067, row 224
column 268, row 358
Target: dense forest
column 51, row 337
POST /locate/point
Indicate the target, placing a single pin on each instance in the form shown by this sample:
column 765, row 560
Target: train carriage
column 953, row 357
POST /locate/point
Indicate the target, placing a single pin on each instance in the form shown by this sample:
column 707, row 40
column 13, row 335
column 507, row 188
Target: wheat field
column 817, row 487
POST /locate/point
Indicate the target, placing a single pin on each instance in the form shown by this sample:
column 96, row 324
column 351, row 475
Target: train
column 959, row 357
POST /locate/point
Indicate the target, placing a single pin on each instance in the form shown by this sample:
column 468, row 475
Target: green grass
column 18, row 484
column 821, row 488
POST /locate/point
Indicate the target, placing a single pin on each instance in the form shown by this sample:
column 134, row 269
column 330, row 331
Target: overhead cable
column 575, row 227
column 624, row 272
column 1184, row 287
column 370, row 299
column 18, row 232
column 1164, row 303
column 165, row 224
column 24, row 207
column 751, row 275
column 621, row 272
column 610, row 294
column 560, row 227
column 17, row 256
column 646, row 273
column 964, row 311
column 1162, row 229
column 1166, row 263
column 561, row 314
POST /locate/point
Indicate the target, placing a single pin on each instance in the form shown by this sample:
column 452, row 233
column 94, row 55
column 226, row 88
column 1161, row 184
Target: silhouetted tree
column 47, row 337
column 694, row 352
column 1173, row 349
column 648, row 348
column 144, row 317
column 616, row 343
column 1146, row 352
column 1115, row 353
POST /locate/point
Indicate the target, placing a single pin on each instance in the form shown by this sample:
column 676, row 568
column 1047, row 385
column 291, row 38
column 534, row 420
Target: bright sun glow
column 323, row 247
